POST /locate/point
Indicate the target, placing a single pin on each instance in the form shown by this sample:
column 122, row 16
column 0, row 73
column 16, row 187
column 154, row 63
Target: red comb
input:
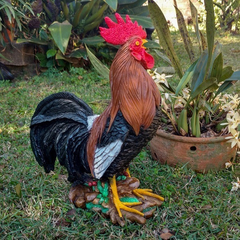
column 118, row 33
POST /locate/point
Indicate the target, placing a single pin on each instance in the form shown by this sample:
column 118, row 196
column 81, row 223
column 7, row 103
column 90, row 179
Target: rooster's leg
column 147, row 192
column 120, row 205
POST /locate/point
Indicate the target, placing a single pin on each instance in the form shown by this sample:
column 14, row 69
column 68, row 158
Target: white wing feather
column 90, row 121
column 104, row 156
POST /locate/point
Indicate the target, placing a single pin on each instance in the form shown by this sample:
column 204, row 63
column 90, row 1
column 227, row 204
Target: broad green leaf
column 201, row 68
column 235, row 76
column 72, row 58
column 224, row 87
column 79, row 53
column 61, row 33
column 92, row 40
column 62, row 59
column 101, row 68
column 229, row 82
column 217, row 67
column 51, row 53
column 210, row 29
column 184, row 33
column 163, row 56
column 226, row 73
column 216, row 51
column 163, row 32
column 202, row 87
column 112, row 4
column 199, row 71
column 32, row 40
column 59, row 55
column 186, row 78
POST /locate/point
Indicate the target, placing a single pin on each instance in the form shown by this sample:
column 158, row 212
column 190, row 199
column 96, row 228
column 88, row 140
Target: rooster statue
column 93, row 147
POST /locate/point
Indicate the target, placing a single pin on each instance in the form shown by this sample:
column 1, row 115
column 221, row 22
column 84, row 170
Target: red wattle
column 148, row 60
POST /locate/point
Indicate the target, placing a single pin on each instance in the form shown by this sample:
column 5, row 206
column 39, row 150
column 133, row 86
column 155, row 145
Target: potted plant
column 196, row 112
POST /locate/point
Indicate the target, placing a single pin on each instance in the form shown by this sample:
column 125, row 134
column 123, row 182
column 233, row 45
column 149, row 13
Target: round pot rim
column 191, row 139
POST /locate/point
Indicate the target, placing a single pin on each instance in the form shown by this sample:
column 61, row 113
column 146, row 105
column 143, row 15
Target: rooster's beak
column 143, row 42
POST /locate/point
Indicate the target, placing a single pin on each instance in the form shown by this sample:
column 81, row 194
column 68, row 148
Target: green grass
column 196, row 206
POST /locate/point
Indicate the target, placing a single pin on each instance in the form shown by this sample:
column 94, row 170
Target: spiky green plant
column 206, row 78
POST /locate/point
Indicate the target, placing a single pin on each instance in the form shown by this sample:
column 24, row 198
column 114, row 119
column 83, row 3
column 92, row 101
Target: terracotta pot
column 199, row 154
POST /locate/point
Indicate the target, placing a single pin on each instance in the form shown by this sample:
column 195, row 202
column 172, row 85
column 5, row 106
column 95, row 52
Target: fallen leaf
column 208, row 206
column 166, row 234
column 63, row 223
column 71, row 212
column 18, row 190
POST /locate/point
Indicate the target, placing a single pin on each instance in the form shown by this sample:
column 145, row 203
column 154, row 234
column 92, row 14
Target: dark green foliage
column 53, row 19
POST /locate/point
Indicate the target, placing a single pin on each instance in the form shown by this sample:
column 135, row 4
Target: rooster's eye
column 137, row 43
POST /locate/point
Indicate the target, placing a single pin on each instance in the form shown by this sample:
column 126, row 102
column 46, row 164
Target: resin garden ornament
column 97, row 150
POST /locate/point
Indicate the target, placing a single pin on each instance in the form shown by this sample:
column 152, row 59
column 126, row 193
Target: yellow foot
column 147, row 192
column 120, row 205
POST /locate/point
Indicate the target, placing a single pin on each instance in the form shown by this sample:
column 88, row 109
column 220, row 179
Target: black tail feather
column 59, row 121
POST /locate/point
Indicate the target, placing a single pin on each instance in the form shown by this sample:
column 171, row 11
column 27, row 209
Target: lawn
column 35, row 205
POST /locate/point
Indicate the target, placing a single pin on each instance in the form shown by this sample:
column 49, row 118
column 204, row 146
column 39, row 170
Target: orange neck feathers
column 133, row 90
column 134, row 93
